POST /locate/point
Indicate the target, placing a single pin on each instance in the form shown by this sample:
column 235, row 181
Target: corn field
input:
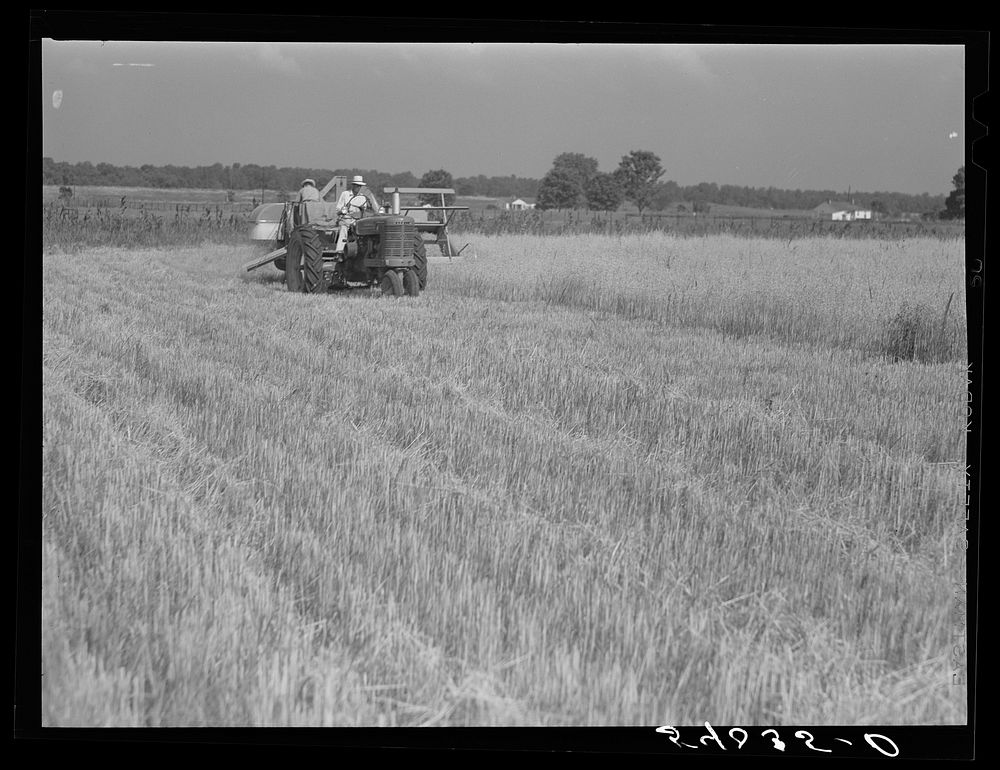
column 581, row 480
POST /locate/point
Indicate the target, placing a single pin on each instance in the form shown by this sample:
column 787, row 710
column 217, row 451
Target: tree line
column 574, row 181
column 252, row 177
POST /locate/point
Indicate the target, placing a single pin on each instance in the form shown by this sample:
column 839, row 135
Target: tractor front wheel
column 392, row 284
column 304, row 261
column 411, row 282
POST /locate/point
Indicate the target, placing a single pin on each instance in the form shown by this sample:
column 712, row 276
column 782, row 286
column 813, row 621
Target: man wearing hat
column 358, row 187
column 308, row 191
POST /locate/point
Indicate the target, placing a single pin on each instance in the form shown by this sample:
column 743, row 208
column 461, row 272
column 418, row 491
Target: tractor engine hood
column 374, row 225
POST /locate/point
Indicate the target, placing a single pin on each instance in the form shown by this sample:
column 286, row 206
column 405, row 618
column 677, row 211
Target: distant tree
column 577, row 165
column 49, row 172
column 267, row 178
column 565, row 185
column 560, row 189
column 638, row 173
column 703, row 193
column 437, row 178
column 954, row 204
column 701, row 207
column 404, row 179
column 879, row 208
column 236, row 175
column 604, row 193
column 665, row 193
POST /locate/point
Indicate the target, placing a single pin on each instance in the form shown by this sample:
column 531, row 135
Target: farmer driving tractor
column 350, row 243
column 349, row 211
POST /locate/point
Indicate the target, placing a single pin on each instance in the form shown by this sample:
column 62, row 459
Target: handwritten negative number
column 882, row 744
column 809, row 741
column 778, row 743
column 673, row 734
column 871, row 742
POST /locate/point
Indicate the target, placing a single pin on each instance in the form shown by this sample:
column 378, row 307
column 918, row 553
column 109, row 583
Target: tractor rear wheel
column 304, row 262
column 392, row 284
column 420, row 257
column 411, row 282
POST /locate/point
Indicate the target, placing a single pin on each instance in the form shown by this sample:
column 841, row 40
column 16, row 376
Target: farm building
column 518, row 204
column 841, row 211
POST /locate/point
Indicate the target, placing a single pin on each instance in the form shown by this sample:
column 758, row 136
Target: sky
column 794, row 116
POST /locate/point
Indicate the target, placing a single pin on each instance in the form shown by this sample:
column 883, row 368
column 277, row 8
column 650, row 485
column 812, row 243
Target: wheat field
column 579, row 481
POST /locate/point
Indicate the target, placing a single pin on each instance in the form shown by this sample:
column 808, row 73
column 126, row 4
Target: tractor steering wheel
column 357, row 202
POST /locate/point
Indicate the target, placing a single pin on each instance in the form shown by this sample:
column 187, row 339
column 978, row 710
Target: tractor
column 382, row 248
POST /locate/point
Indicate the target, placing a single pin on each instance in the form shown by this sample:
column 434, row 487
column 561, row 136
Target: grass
column 151, row 217
column 868, row 295
column 593, row 481
column 138, row 195
column 71, row 229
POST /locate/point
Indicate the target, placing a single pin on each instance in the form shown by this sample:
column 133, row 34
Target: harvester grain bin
column 383, row 248
column 266, row 219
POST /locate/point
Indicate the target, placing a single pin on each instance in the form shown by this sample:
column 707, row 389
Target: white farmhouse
column 841, row 211
column 518, row 205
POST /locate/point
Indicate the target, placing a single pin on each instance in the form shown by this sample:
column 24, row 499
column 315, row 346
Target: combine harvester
column 383, row 248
